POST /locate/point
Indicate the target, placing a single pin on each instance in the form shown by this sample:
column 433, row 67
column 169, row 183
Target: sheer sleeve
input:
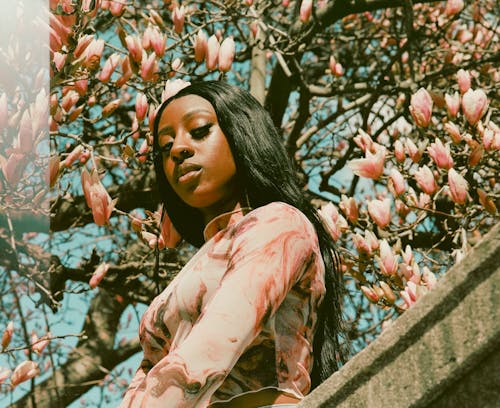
column 270, row 251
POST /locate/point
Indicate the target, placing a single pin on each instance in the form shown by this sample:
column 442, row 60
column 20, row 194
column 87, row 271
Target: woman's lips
column 186, row 172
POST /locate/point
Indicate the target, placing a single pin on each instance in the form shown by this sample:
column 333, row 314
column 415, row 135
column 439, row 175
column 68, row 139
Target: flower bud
column 474, row 105
column 458, row 187
column 380, row 212
column 421, row 107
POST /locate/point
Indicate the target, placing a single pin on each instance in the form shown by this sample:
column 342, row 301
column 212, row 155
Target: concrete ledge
column 443, row 352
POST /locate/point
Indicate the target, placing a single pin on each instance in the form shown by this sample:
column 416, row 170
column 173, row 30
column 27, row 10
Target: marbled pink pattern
column 240, row 316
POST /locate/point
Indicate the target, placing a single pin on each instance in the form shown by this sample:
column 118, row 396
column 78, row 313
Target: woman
column 253, row 319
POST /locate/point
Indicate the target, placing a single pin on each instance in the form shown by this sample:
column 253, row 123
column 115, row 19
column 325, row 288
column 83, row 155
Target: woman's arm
column 271, row 249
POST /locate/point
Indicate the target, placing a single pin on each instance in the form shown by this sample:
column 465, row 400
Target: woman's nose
column 181, row 149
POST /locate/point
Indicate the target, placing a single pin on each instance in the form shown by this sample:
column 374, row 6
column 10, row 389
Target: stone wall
column 443, row 352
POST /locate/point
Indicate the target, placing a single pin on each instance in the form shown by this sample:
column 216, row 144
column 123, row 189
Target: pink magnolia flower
column 171, row 88
column 387, row 261
column 109, row 67
column 110, row 107
column 350, row 208
column 440, row 154
column 38, row 345
column 453, row 131
column 399, row 151
column 425, row 180
column 370, row 294
column 421, row 107
column 82, row 44
column 146, row 37
column 134, row 47
column 413, row 151
column 364, row 141
column 463, row 79
column 372, row 166
column 428, row 278
column 53, row 173
column 143, row 151
column 453, row 7
column 226, row 54
column 98, row 275
column 141, row 106
column 97, row 197
column 388, row 292
column 409, row 294
column 178, row 17
column 73, row 156
column 116, row 7
column 398, row 184
column 24, row 372
column 81, row 86
column 200, row 46
column 59, row 59
column 7, row 334
column 212, row 54
column 334, row 222
column 407, row 255
column 150, row 239
column 126, row 72
column 149, row 66
column 158, row 42
column 305, row 10
column 14, row 167
column 452, row 104
column 335, row 67
column 458, row 187
column 177, row 64
column 69, row 100
column 380, row 212
column 474, row 105
column 92, row 54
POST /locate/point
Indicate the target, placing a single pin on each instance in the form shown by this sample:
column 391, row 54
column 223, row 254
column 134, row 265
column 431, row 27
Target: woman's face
column 197, row 160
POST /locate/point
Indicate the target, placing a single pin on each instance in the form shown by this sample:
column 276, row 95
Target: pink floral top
column 239, row 317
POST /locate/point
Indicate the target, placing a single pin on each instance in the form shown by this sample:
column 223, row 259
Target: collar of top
column 224, row 221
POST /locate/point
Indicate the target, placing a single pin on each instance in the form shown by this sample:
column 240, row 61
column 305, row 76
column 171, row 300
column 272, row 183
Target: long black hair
column 266, row 173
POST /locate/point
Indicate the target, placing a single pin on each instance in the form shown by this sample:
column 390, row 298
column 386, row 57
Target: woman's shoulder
column 279, row 215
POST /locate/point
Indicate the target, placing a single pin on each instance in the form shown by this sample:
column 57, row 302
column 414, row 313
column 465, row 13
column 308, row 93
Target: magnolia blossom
column 387, row 261
column 14, row 167
column 98, row 275
column 452, row 104
column 421, row 107
column 474, row 105
column 82, row 44
column 305, row 10
column 463, row 79
column 388, row 292
column 372, row 166
column 7, row 334
column 364, row 141
column 226, row 54
column 335, row 67
column 380, row 212
column 428, row 278
column 59, row 59
column 141, row 106
column 425, row 180
column 116, row 7
column 453, row 7
column 370, row 293
column 149, row 66
column 126, row 71
column 73, row 156
column 458, row 187
column 97, row 197
column 53, row 170
column 200, row 46
column 171, row 88
column 178, row 17
column 110, row 107
column 398, row 184
column 212, row 54
column 334, row 222
column 158, row 42
column 109, row 67
column 134, row 47
column 143, row 151
column 39, row 344
column 24, row 372
column 92, row 54
column 440, row 154
column 69, row 100
column 399, row 151
column 413, row 151
column 25, row 134
column 350, row 208
column 453, row 131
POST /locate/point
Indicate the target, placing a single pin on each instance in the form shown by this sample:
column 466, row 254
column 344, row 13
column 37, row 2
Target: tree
column 388, row 109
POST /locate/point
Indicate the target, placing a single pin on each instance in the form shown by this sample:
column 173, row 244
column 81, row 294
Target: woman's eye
column 166, row 147
column 201, row 132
